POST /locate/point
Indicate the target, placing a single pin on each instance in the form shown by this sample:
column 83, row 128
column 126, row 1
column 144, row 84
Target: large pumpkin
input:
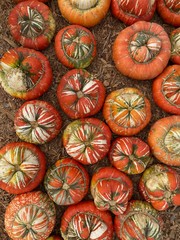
column 127, row 111
column 111, row 190
column 32, row 24
column 25, row 73
column 175, row 45
column 160, row 185
column 80, row 94
column 22, row 167
column 142, row 50
column 30, row 216
column 85, row 221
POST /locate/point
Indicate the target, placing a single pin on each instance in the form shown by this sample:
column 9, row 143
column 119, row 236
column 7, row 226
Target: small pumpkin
column 160, row 185
column 37, row 122
column 111, row 190
column 169, row 11
column 22, row 167
column 25, row 73
column 85, row 221
column 166, row 89
column 142, row 50
column 87, row 140
column 175, row 46
column 140, row 221
column 86, row 13
column 80, row 94
column 30, row 216
column 163, row 139
column 131, row 11
column 66, row 182
column 127, row 111
column 129, row 154
column 31, row 24
column 75, row 46
column 17, row 1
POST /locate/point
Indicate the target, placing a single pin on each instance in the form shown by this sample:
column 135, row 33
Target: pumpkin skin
column 127, row 111
column 142, row 50
column 37, row 122
column 169, row 11
column 140, row 221
column 160, row 185
column 165, row 89
column 80, row 94
column 87, row 140
column 129, row 13
column 66, row 182
column 85, row 221
column 175, row 46
column 22, row 167
column 111, row 190
column 25, row 73
column 163, row 139
column 30, row 216
column 75, row 46
column 32, row 24
column 17, row 1
column 85, row 13
column 129, row 154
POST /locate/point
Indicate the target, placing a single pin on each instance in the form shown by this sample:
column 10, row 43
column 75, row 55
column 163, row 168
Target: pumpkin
column 54, row 237
column 22, row 167
column 25, row 73
column 142, row 50
column 111, row 190
column 140, row 221
column 80, row 94
column 75, row 46
column 160, row 185
column 30, row 216
column 129, row 154
column 87, row 140
column 127, row 111
column 165, row 89
column 131, row 11
column 37, row 122
column 66, row 182
column 163, row 139
column 32, row 24
column 175, row 46
column 169, row 11
column 17, row 1
column 85, row 221
column 86, row 13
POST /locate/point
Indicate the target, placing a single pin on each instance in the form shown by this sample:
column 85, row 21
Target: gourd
column 175, row 45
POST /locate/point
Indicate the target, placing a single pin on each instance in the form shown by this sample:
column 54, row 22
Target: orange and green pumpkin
column 175, row 45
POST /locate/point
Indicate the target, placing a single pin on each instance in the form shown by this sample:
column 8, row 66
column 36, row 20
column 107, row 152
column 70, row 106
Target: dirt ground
column 103, row 67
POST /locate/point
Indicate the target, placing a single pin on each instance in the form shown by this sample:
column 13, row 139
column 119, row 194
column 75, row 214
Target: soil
column 103, row 67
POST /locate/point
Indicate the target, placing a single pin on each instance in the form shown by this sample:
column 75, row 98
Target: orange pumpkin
column 142, row 50
column 163, row 139
column 127, row 111
column 175, row 46
column 86, row 13
column 17, row 1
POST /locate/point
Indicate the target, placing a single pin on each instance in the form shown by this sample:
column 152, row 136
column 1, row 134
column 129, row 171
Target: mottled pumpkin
column 129, row 154
column 17, row 1
column 25, row 73
column 86, row 13
column 175, row 45
column 164, row 138
column 85, row 221
column 32, row 24
column 142, row 50
column 140, row 221
column 37, row 122
column 166, row 89
column 80, row 94
column 22, row 167
column 127, row 111
column 30, row 216
column 66, row 182
column 160, row 185
column 131, row 11
column 75, row 46
column 111, row 190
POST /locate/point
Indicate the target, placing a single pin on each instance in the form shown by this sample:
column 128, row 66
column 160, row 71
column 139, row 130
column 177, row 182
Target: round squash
column 17, row 1
column 175, row 46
